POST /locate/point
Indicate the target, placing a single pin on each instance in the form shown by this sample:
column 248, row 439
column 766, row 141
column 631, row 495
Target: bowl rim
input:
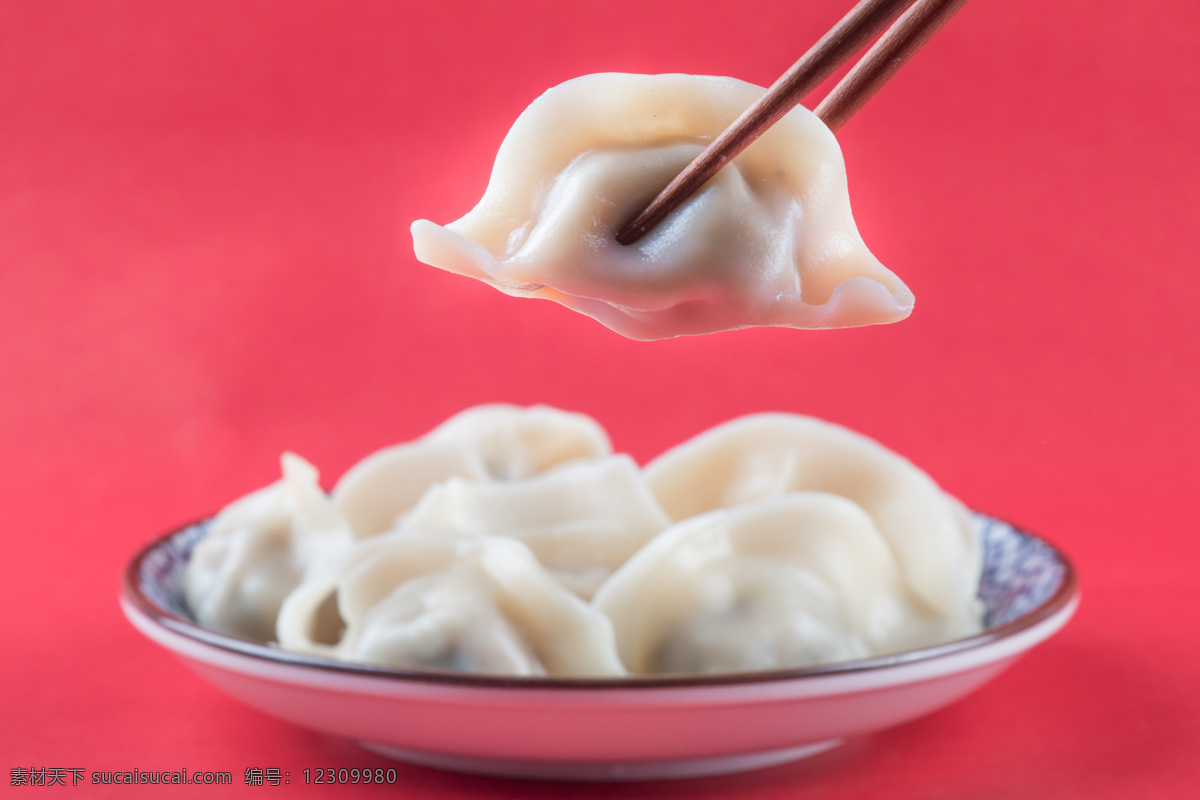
column 172, row 622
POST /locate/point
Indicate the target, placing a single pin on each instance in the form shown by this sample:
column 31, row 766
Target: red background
column 204, row 260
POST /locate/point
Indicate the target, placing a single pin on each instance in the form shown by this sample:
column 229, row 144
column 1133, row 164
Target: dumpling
column 488, row 442
column 517, row 442
column 770, row 240
column 378, row 490
column 769, row 455
column 582, row 520
column 791, row 581
column 477, row 604
column 258, row 550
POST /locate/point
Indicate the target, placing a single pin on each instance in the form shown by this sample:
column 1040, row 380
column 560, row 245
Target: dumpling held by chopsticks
column 769, row 241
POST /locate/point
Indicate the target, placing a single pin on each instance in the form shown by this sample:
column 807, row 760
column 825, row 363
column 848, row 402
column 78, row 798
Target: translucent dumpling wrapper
column 582, row 520
column 489, row 442
column 769, row 455
column 770, row 240
column 791, row 581
column 476, row 604
column 258, row 550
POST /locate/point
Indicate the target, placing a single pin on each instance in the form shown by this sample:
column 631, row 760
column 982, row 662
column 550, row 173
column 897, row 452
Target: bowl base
column 603, row 771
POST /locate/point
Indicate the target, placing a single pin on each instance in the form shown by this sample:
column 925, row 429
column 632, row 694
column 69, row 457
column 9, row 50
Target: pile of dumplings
column 513, row 541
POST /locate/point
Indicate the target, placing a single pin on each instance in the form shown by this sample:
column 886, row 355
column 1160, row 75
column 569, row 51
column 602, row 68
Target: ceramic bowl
column 612, row 729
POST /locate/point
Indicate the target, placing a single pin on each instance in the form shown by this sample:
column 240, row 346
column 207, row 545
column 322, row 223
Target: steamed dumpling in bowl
column 476, row 604
column 770, row 240
column 762, row 456
column 259, row 549
column 515, row 442
column 582, row 520
column 791, row 581
column 490, row 442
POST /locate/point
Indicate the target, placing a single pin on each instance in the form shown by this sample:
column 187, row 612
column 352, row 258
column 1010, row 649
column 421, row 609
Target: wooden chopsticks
column 900, row 43
column 893, row 50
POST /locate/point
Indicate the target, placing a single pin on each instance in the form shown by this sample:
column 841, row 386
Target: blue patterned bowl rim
column 1025, row 580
